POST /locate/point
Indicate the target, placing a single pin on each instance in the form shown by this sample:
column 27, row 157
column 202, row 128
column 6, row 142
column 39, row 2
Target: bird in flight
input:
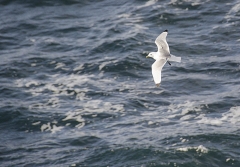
column 161, row 56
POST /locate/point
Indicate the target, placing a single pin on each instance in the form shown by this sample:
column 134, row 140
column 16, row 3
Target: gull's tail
column 175, row 58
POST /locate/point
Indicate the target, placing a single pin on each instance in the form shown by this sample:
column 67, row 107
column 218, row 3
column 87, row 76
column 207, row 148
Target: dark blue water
column 76, row 88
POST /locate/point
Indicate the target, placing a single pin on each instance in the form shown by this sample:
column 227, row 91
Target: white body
column 161, row 56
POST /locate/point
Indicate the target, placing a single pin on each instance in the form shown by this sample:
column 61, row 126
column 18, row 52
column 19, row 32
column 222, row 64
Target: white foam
column 228, row 118
column 125, row 15
column 232, row 116
column 80, row 67
column 56, row 128
column 184, row 149
column 33, row 40
column 200, row 149
column 36, row 123
column 60, row 65
column 150, row 122
column 210, row 121
column 52, row 62
column 74, row 116
column 48, row 127
column 50, row 40
column 99, row 106
column 80, row 125
column 183, row 140
column 187, row 117
column 148, row 3
column 233, row 12
column 229, row 159
column 57, row 86
column 81, row 96
column 51, row 103
column 106, row 62
column 184, row 108
column 54, row 121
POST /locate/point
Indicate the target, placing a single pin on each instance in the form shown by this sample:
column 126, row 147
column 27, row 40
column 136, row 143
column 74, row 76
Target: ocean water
column 76, row 88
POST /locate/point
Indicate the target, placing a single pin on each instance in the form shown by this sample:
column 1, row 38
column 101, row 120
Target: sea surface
column 76, row 89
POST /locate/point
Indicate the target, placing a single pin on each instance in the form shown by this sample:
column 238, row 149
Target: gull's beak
column 147, row 56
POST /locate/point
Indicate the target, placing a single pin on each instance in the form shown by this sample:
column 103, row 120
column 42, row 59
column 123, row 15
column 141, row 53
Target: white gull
column 161, row 56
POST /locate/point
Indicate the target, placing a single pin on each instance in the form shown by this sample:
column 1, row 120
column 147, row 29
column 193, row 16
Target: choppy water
column 76, row 88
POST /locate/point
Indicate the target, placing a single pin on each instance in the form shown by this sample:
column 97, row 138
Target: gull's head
column 151, row 54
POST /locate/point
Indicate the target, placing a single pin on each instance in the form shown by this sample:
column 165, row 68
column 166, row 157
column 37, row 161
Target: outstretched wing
column 162, row 43
column 157, row 70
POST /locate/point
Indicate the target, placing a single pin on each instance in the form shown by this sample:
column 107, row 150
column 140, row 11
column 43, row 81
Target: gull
column 161, row 56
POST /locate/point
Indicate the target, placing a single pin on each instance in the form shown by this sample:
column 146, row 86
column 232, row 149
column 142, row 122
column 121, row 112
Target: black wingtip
column 165, row 31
